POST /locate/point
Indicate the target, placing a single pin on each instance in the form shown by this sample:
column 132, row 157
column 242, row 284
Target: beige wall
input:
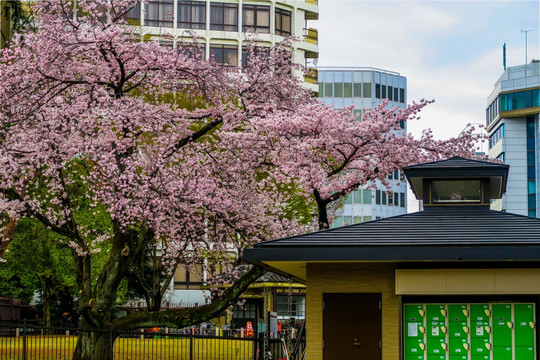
column 352, row 278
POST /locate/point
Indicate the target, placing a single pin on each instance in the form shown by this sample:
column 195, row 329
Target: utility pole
column 526, row 32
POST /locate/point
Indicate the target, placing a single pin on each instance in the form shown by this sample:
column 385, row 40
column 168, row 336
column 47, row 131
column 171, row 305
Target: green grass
column 61, row 348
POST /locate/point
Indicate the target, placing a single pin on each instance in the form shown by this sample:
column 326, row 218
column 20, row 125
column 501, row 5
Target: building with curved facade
column 226, row 26
column 513, row 125
column 365, row 88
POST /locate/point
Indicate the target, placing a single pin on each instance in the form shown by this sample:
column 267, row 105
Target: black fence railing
column 25, row 342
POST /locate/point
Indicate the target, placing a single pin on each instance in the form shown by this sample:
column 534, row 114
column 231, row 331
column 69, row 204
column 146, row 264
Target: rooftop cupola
column 457, row 182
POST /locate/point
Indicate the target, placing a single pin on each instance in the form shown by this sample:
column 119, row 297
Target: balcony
column 311, row 36
column 312, row 76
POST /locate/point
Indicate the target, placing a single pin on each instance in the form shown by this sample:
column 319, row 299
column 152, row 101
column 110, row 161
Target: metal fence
column 25, row 342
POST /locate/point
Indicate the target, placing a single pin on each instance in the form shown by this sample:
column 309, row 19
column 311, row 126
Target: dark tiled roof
column 457, row 162
column 435, row 234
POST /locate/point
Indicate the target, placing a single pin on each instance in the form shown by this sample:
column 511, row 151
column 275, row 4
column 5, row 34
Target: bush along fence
column 25, row 342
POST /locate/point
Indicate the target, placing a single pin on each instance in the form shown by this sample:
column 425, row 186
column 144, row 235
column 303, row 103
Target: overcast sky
column 450, row 51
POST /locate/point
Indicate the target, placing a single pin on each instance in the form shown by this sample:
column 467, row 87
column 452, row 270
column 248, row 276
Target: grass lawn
column 60, row 347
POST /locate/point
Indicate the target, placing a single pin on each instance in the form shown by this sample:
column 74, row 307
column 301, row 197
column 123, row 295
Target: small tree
column 116, row 144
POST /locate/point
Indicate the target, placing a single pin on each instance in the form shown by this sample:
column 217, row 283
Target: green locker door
column 458, row 346
column 436, row 357
column 436, row 329
column 480, row 357
column 414, row 313
column 458, row 312
column 480, row 346
column 459, row 357
column 414, row 357
column 436, row 312
column 479, row 312
column 502, row 325
column 436, row 346
column 525, row 353
column 414, row 346
column 502, row 353
column 457, row 329
column 524, row 324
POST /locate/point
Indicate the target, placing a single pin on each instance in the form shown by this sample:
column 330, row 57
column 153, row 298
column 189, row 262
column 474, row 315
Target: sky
column 450, row 51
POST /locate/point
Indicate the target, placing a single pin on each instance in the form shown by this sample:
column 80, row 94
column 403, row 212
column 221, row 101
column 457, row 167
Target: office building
column 223, row 27
column 365, row 88
column 512, row 120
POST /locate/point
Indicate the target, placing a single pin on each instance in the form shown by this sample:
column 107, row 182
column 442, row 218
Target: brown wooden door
column 352, row 326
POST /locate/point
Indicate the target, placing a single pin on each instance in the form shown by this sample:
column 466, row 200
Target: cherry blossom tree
column 173, row 150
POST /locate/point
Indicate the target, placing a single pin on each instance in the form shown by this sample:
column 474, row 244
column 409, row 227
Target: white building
column 223, row 26
column 512, row 119
column 366, row 88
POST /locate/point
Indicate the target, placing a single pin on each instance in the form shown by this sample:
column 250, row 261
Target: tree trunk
column 322, row 212
column 47, row 294
column 94, row 345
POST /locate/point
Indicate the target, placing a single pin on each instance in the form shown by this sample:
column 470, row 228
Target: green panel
column 502, row 353
column 413, row 313
column 436, row 329
column 459, row 357
column 436, row 357
column 414, row 357
column 502, row 325
column 414, row 330
column 436, row 312
column 458, row 329
column 524, row 324
column 480, row 346
column 457, row 346
column 480, row 329
column 435, row 346
column 457, row 312
column 480, row 357
column 413, row 346
column 525, row 353
column 479, row 312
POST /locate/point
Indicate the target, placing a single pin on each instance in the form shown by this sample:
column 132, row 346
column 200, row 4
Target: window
column 358, row 90
column 159, row 13
column 223, row 16
column 347, row 90
column 338, row 89
column 366, row 194
column 256, row 18
column 383, row 196
column 455, row 191
column 497, row 135
column 390, row 93
column 383, row 92
column 298, row 306
column 328, row 89
column 401, row 95
column 378, row 91
column 349, row 198
column 402, row 200
column 133, row 16
column 191, row 14
column 378, row 197
column 396, row 98
column 224, row 54
column 321, row 89
column 531, row 165
column 366, row 87
column 192, row 50
column 191, row 278
column 257, row 51
column 366, row 218
column 283, row 22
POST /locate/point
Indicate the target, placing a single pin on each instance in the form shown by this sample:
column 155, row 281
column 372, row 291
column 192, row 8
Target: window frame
column 223, row 26
column 190, row 5
column 282, row 13
column 257, row 9
column 159, row 22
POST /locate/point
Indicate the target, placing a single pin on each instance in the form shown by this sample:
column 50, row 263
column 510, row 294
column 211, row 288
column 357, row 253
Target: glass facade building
column 365, row 88
column 512, row 120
